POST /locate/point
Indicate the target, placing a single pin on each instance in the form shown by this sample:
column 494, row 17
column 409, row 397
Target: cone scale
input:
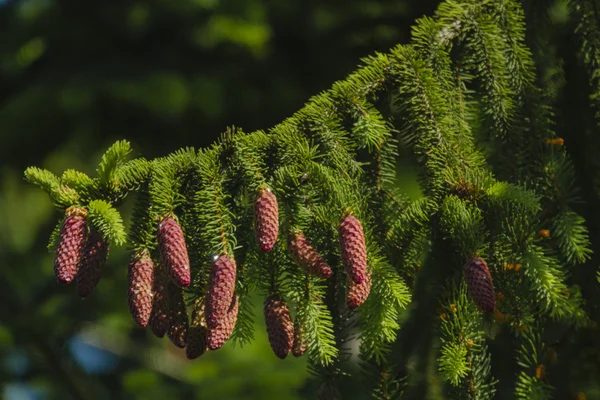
column 178, row 319
column 280, row 328
column 139, row 292
column 93, row 259
column 266, row 216
column 306, row 255
column 219, row 334
column 221, row 285
column 159, row 317
column 173, row 252
column 357, row 294
column 480, row 285
column 72, row 241
column 353, row 248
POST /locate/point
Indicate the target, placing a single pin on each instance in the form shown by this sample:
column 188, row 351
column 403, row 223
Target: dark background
column 76, row 76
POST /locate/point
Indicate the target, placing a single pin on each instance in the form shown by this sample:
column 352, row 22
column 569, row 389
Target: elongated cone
column 266, row 216
column 480, row 285
column 280, row 328
column 72, row 240
column 196, row 342
column 356, row 294
column 159, row 317
column 139, row 292
column 308, row 257
column 93, row 259
column 300, row 346
column 353, row 248
column 221, row 285
column 178, row 318
column 217, row 336
column 173, row 252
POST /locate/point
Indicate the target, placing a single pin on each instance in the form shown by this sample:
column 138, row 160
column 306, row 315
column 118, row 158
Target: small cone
column 173, row 252
column 353, row 248
column 221, row 285
column 92, row 262
column 159, row 317
column 266, row 212
column 196, row 342
column 300, row 346
column 308, row 257
column 178, row 318
column 280, row 328
column 72, row 240
column 217, row 336
column 356, row 294
column 479, row 284
column 139, row 292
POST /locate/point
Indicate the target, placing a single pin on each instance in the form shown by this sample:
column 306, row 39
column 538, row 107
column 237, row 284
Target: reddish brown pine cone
column 91, row 264
column 280, row 328
column 353, row 248
column 308, row 257
column 139, row 292
column 159, row 317
column 178, row 318
column 480, row 285
column 217, row 336
column 196, row 343
column 356, row 294
column 72, row 240
column 266, row 213
column 173, row 252
column 300, row 346
column 221, row 285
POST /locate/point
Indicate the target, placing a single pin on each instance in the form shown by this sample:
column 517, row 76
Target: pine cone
column 196, row 342
column 178, row 319
column 221, row 285
column 159, row 317
column 353, row 248
column 266, row 212
column 308, row 257
column 357, row 293
column 480, row 285
column 217, row 336
column 280, row 327
column 91, row 264
column 300, row 346
column 173, row 252
column 141, row 282
column 72, row 240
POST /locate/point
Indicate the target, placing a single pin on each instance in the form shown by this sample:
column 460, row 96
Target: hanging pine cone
column 353, row 248
column 178, row 319
column 308, row 257
column 91, row 264
column 300, row 346
column 217, row 336
column 266, row 212
column 173, row 252
column 221, row 285
column 72, row 240
column 139, row 294
column 280, row 327
column 159, row 317
column 196, row 342
column 480, row 285
column 356, row 294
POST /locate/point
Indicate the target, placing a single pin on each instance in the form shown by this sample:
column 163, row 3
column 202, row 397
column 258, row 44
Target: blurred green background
column 77, row 75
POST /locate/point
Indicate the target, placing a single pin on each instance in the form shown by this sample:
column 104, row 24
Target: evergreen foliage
column 464, row 98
